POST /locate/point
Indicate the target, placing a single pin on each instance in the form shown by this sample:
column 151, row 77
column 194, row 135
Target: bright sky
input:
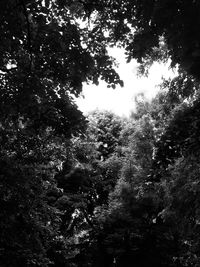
column 121, row 99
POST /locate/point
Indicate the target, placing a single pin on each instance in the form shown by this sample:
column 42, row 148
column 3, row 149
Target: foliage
column 154, row 30
column 44, row 60
column 87, row 178
column 111, row 192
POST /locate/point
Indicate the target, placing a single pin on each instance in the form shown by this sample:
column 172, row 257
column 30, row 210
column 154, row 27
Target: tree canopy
column 97, row 190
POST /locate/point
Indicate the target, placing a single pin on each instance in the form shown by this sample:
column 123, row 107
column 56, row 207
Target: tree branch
column 28, row 33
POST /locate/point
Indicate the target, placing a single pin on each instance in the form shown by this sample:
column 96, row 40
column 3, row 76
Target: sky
column 121, row 100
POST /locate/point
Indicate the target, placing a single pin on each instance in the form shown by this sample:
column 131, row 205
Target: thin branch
column 28, row 33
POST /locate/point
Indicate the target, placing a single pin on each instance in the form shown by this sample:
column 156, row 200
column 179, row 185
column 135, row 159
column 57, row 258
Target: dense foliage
column 102, row 190
column 44, row 60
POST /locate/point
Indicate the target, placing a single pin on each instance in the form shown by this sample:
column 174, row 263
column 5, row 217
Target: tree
column 133, row 232
column 57, row 204
column 158, row 30
column 44, row 60
column 154, row 30
column 87, row 178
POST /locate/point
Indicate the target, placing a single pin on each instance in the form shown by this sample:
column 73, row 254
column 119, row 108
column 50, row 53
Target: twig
column 28, row 33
